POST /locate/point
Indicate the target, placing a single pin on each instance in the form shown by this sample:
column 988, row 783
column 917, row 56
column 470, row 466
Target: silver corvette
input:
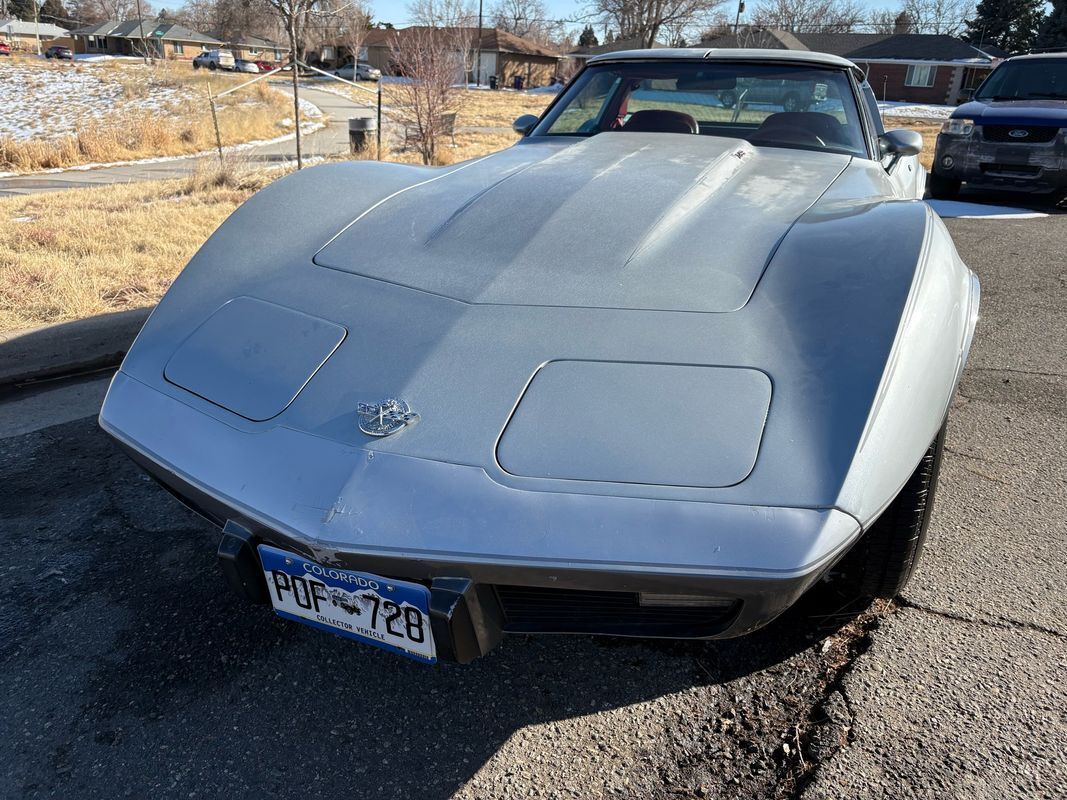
column 652, row 371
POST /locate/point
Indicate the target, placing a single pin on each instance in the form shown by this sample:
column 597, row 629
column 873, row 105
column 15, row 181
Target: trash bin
column 361, row 132
column 492, row 82
column 517, row 82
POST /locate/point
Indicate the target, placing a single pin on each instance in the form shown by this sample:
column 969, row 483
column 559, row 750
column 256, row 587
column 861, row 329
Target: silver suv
column 215, row 59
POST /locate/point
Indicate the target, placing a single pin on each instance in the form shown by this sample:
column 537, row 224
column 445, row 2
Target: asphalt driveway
column 129, row 669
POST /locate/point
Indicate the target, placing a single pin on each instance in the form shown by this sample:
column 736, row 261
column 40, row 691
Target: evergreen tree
column 20, row 9
column 903, row 24
column 1054, row 31
column 1011, row 25
column 588, row 37
column 53, row 11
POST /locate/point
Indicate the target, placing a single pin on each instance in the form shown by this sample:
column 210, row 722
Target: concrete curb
column 50, row 351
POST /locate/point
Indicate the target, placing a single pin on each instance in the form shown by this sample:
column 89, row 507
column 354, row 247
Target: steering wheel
column 783, row 134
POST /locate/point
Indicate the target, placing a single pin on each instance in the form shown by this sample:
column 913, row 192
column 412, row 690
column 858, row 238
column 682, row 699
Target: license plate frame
column 344, row 601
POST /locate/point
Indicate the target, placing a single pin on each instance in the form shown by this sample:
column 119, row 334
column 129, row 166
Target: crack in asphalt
column 828, row 730
column 1034, row 372
column 1004, row 623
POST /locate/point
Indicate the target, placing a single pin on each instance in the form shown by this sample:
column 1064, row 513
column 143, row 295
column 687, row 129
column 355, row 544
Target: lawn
column 63, row 114
column 79, row 253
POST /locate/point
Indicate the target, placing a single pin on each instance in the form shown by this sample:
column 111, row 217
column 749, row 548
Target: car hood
column 618, row 220
column 1014, row 112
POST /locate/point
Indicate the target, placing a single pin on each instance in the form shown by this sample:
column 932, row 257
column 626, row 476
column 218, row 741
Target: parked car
column 1012, row 134
column 5, row 49
column 360, row 71
column 59, row 52
column 789, row 95
column 266, row 66
column 652, row 371
column 215, row 59
column 242, row 65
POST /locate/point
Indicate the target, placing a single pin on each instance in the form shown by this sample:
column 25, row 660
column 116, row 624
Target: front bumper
column 1037, row 168
column 484, row 549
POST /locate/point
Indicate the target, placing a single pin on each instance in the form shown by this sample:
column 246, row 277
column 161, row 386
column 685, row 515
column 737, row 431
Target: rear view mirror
column 900, row 142
column 524, row 124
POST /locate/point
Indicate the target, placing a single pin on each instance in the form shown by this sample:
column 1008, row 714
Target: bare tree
column 431, row 59
column 809, row 16
column 643, row 20
column 890, row 22
column 293, row 14
column 443, row 13
column 353, row 21
column 528, row 19
column 939, row 16
column 102, row 10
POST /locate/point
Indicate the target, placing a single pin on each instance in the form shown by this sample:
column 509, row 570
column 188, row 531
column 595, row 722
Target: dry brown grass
column 185, row 128
column 83, row 252
column 480, row 108
column 928, row 128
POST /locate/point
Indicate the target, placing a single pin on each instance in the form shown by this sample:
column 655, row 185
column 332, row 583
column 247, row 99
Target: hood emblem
column 1018, row 133
column 386, row 417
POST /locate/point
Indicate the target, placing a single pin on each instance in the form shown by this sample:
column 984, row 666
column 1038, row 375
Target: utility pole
column 478, row 57
column 740, row 11
column 37, row 25
column 140, row 29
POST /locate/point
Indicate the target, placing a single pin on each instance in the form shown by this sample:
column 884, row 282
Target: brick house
column 503, row 54
column 258, row 48
column 23, row 36
column 160, row 39
column 906, row 67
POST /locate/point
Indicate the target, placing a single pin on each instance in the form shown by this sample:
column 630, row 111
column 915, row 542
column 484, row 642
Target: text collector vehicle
column 1012, row 134
column 652, row 371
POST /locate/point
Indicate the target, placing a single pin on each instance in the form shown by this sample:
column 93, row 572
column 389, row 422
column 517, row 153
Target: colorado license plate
column 393, row 615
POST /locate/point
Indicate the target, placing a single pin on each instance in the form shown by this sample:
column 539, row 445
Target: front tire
column 943, row 188
column 882, row 562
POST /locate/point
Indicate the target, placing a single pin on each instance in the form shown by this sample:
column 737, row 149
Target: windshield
column 769, row 105
column 1032, row 79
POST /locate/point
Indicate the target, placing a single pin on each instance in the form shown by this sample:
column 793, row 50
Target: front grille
column 531, row 609
column 1010, row 169
column 1035, row 134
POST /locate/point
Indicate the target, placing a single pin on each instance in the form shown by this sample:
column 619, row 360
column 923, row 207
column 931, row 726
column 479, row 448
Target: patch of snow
column 22, row 219
column 54, row 101
column 961, row 210
column 554, row 89
column 915, row 110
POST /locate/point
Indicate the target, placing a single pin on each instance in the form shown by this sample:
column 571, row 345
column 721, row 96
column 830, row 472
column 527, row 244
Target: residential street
column 130, row 668
column 328, row 141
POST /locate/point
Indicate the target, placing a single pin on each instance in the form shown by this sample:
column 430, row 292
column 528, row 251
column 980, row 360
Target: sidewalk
column 329, row 141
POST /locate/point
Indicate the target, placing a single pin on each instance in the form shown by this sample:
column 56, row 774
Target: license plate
column 393, row 615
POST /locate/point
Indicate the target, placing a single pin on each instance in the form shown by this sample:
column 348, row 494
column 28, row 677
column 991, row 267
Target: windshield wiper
column 1046, row 96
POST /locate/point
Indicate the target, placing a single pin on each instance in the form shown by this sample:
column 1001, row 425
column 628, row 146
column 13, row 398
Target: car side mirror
column 900, row 142
column 524, row 124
